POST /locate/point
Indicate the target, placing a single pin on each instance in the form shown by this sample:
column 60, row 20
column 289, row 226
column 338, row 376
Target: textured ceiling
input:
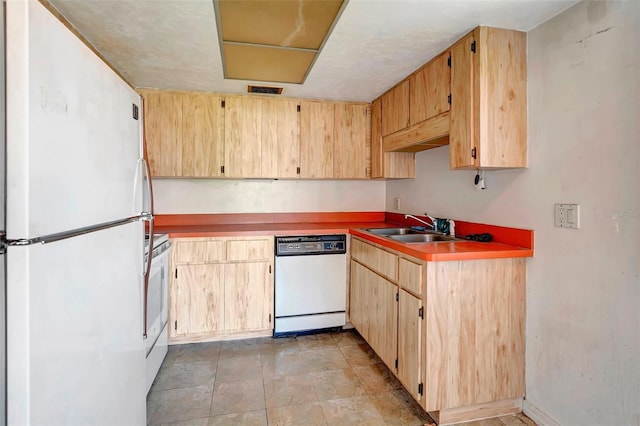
column 173, row 44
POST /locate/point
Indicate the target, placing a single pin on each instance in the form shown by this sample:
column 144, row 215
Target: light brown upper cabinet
column 387, row 164
column 183, row 134
column 202, row 135
column 333, row 140
column 430, row 89
column 350, row 141
column 280, row 138
column 316, row 139
column 163, row 133
column 395, row 109
column 261, row 137
column 489, row 100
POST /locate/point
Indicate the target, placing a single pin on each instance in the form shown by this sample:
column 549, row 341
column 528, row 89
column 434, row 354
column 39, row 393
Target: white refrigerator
column 75, row 209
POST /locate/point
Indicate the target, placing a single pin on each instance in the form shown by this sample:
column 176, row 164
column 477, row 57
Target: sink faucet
column 432, row 224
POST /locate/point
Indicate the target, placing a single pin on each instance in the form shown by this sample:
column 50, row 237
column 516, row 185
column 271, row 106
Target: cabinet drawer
column 253, row 250
column 410, row 276
column 204, row 251
column 381, row 261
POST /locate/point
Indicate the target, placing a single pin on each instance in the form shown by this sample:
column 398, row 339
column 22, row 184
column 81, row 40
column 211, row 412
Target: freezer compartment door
column 75, row 349
column 72, row 141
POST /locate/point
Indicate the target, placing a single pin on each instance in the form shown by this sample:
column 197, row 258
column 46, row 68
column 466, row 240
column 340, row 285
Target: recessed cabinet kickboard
column 472, row 97
column 452, row 332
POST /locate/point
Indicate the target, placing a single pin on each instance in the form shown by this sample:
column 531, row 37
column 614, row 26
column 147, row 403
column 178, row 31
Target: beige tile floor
column 322, row 379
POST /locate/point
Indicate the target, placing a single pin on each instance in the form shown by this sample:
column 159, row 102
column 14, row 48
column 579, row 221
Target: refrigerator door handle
column 58, row 236
column 150, row 219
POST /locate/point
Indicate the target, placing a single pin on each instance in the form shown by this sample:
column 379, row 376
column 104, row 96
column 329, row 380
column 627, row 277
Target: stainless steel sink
column 421, row 238
column 395, row 231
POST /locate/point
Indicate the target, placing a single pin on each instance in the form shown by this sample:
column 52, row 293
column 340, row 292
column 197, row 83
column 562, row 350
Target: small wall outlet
column 396, row 203
column 567, row 216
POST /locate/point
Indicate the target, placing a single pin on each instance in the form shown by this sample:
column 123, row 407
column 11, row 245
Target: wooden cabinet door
column 350, row 141
column 163, row 136
column 316, row 139
column 248, row 296
column 395, row 109
column 409, row 343
column 280, row 155
column 359, row 299
column 197, row 300
column 383, row 316
column 462, row 132
column 430, row 89
column 242, row 137
column 202, row 135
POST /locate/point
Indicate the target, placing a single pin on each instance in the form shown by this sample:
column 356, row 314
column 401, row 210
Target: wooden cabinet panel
column 500, row 80
column 202, row 136
column 474, row 319
column 203, row 251
column 247, row 296
column 349, row 141
column 395, row 109
column 242, row 137
column 410, row 276
column 316, row 139
column 163, row 137
column 359, row 299
column 461, row 132
column 409, row 343
column 280, row 154
column 489, row 105
column 383, row 322
column 392, row 165
column 250, row 250
column 379, row 260
column 430, row 89
column 196, row 300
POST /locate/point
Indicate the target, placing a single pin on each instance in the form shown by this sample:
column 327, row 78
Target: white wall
column 583, row 286
column 173, row 196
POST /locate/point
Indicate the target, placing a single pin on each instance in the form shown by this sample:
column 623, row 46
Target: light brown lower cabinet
column 221, row 287
column 456, row 328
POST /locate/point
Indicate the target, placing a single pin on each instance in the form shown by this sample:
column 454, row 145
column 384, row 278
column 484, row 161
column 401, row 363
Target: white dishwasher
column 310, row 283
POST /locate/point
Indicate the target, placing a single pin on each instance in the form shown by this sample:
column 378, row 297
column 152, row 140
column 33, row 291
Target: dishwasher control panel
column 311, row 244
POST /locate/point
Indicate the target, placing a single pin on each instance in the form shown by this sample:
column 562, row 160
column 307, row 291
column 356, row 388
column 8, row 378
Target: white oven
column 157, row 307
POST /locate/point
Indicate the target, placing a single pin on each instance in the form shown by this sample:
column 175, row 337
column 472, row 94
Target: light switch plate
column 396, row 203
column 567, row 216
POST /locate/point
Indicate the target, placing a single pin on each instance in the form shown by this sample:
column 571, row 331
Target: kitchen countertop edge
column 435, row 252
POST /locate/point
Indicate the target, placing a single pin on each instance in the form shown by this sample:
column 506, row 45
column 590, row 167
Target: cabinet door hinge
column 222, row 169
column 298, row 108
column 175, row 325
column 397, row 296
column 473, row 153
column 449, row 61
column 396, row 362
column 449, row 98
column 473, row 46
column 222, row 103
column 421, row 312
column 135, row 111
column 176, row 272
column 297, row 170
column 420, row 388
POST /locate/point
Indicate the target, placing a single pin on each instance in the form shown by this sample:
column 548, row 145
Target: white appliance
column 157, row 304
column 76, row 197
column 310, row 283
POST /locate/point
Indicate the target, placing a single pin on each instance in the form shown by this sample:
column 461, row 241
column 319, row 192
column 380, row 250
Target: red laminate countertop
column 508, row 242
